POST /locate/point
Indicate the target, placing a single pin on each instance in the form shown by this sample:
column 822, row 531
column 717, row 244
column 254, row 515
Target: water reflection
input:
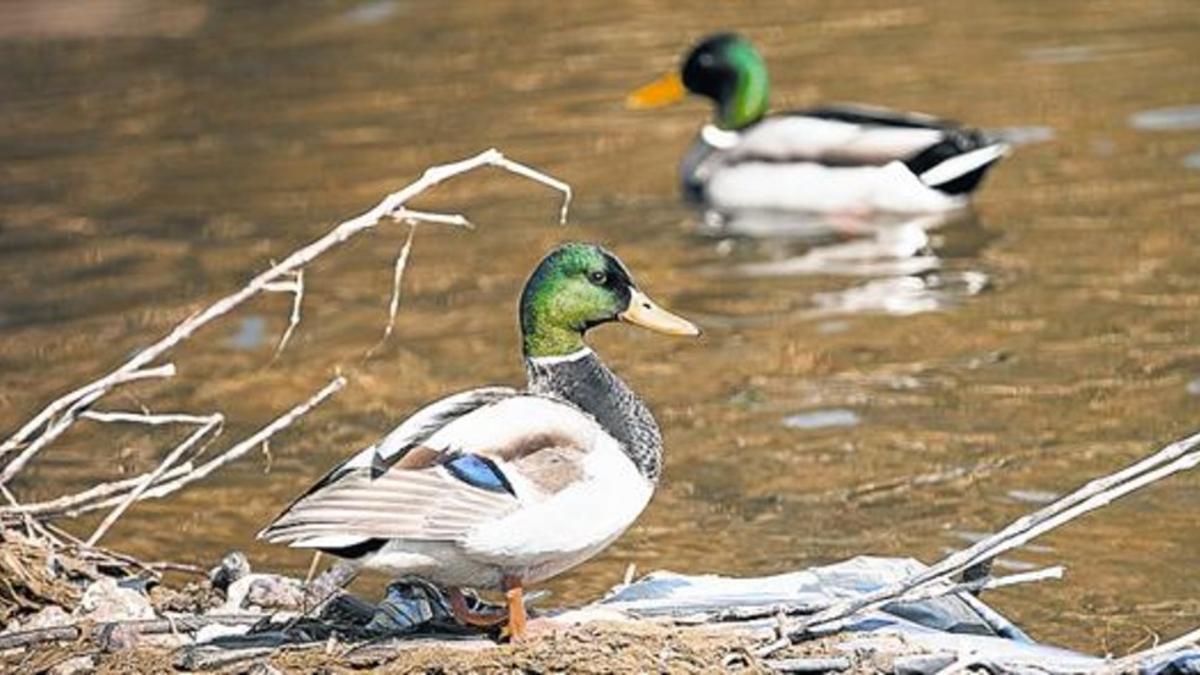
column 822, row 419
column 1167, row 119
column 903, row 259
column 75, row 19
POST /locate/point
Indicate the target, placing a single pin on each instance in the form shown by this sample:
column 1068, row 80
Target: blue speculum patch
column 479, row 472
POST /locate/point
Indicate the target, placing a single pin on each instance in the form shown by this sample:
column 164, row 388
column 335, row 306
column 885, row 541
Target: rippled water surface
column 153, row 156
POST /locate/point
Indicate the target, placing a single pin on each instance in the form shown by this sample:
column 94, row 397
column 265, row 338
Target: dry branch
column 1178, row 456
column 68, row 505
column 1131, row 662
column 397, row 277
column 186, row 623
column 57, row 416
column 213, row 423
column 282, row 422
column 110, row 495
column 296, row 288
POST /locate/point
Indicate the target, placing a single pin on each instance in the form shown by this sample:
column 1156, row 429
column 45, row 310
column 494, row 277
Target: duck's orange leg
column 458, row 606
column 515, row 596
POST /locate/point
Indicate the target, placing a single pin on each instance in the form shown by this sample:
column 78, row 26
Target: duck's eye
column 706, row 60
column 597, row 277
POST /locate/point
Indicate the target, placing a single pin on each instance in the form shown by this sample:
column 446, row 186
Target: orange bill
column 664, row 91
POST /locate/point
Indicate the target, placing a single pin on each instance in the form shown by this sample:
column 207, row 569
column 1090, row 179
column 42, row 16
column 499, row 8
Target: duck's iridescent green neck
column 543, row 338
column 751, row 95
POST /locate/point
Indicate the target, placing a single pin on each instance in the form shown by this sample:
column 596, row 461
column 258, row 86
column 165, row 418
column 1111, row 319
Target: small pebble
column 47, row 617
column 105, row 600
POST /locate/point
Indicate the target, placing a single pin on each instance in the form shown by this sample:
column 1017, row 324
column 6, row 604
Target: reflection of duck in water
column 911, row 263
column 831, row 159
column 495, row 488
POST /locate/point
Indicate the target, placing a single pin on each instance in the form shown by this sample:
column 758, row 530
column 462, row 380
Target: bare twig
column 65, row 506
column 1179, row 456
column 411, row 216
column 1130, row 662
column 146, row 418
column 57, row 416
column 188, row 623
column 296, row 288
column 32, row 527
column 312, row 567
column 280, row 423
column 112, row 494
column 397, row 278
column 212, row 423
column 986, row 584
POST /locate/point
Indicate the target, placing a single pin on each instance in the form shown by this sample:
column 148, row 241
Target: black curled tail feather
column 957, row 164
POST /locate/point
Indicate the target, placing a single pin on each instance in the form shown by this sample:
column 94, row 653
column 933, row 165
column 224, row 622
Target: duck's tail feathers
column 957, row 164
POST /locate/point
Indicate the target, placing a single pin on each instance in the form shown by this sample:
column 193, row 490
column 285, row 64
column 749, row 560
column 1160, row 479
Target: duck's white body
column 839, row 160
column 483, row 486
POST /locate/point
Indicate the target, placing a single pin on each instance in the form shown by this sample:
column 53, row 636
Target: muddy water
column 154, row 156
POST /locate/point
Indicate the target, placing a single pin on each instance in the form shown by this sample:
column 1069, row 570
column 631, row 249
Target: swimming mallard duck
column 841, row 158
column 495, row 488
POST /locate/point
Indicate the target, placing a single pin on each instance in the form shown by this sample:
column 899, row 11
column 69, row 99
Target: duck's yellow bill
column 645, row 313
column 665, row 90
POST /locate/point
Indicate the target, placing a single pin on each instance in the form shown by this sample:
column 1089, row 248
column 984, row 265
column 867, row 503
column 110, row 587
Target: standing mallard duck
column 495, row 488
column 841, row 158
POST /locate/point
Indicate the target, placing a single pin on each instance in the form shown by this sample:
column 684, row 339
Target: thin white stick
column 397, row 278
column 69, row 505
column 297, row 290
column 214, row 422
column 280, row 423
column 1178, row 456
column 542, row 178
column 344, row 231
column 1129, row 662
column 986, row 584
column 59, row 415
column 31, row 526
column 412, row 216
column 145, row 418
column 110, row 494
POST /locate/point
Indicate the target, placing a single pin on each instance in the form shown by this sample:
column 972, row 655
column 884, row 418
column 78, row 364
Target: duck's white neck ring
column 563, row 358
column 719, row 138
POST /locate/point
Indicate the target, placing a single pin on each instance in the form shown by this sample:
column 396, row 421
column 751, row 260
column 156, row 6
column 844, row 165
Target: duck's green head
column 724, row 68
column 578, row 286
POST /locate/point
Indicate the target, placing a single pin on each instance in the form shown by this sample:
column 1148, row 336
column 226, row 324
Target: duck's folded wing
column 428, row 504
column 414, row 431
column 845, row 135
column 478, row 467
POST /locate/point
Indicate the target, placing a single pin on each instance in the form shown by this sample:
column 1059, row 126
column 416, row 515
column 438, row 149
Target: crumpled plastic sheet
column 959, row 625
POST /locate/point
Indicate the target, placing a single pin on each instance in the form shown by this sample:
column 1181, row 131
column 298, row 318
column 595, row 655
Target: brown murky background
column 155, row 155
